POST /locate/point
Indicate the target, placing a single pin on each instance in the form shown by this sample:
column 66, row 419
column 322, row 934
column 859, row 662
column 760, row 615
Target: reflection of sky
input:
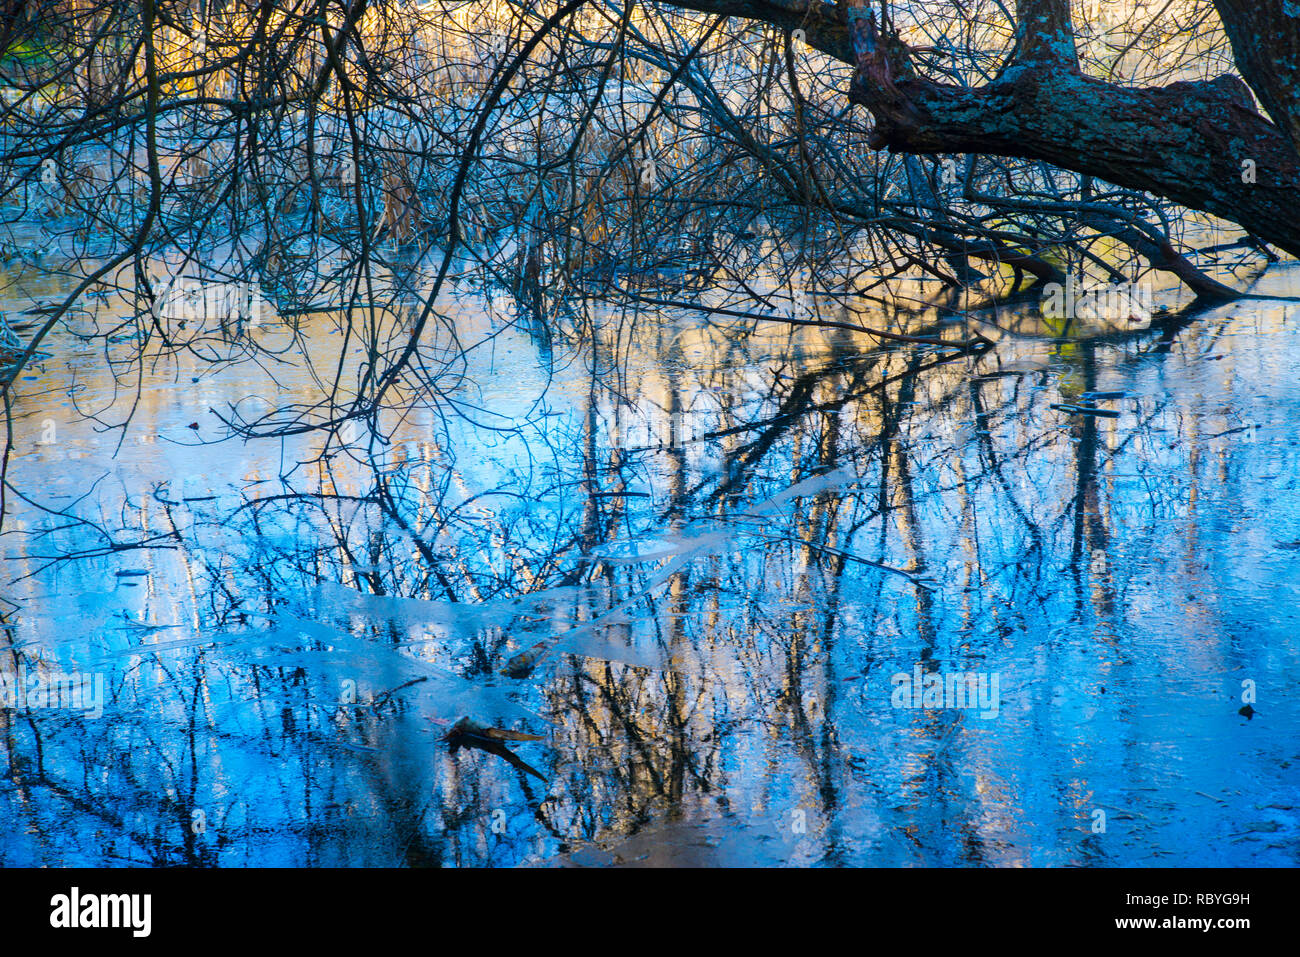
column 1122, row 613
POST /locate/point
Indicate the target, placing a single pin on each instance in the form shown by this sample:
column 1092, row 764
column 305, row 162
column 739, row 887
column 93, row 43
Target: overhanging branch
column 1188, row 142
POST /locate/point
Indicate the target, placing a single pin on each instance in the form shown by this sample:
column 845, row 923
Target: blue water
column 692, row 539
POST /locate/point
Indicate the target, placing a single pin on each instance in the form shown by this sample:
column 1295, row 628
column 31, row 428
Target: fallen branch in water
column 1085, row 410
column 384, row 697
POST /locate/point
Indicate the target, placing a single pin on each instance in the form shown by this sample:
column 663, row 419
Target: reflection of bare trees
column 772, row 644
column 693, row 251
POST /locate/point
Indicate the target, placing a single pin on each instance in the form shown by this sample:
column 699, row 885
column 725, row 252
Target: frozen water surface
column 697, row 582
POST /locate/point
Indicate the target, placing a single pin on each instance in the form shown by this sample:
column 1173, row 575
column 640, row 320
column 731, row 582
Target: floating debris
column 1085, row 410
column 522, row 664
column 468, row 733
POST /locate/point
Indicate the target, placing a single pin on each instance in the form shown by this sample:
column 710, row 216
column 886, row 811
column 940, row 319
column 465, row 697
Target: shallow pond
column 703, row 566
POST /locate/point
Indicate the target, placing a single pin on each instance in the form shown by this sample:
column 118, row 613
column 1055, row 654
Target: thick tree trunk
column 1200, row 144
column 1265, row 38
